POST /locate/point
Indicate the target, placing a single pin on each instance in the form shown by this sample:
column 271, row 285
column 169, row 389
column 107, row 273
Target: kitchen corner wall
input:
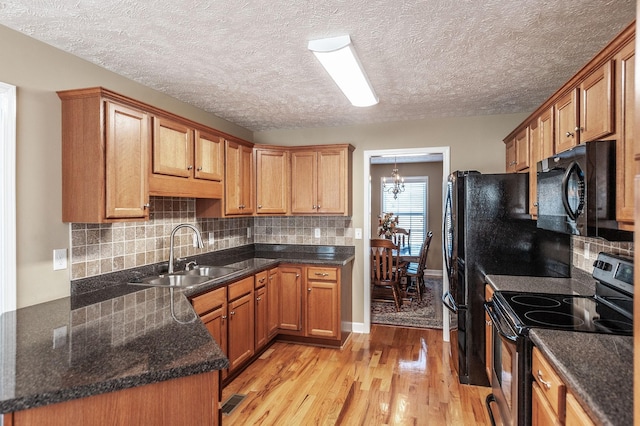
column 99, row 249
column 585, row 251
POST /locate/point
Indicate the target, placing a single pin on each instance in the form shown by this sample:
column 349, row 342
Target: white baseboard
column 357, row 327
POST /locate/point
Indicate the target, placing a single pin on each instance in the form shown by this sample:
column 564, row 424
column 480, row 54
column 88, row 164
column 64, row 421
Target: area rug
column 413, row 313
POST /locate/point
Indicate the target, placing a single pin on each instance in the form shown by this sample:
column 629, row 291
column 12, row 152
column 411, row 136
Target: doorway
column 444, row 154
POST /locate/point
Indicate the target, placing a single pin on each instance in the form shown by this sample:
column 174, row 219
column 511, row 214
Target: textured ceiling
column 247, row 60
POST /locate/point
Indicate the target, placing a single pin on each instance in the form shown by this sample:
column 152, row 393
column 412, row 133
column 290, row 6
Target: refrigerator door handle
column 449, row 302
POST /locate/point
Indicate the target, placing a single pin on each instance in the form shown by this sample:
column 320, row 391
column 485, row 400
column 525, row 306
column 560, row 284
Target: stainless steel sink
column 172, row 281
column 211, row 271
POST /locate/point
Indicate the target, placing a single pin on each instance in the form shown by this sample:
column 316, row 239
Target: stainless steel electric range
column 513, row 314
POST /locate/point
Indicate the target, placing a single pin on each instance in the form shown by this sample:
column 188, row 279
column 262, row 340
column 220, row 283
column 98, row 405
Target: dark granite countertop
column 580, row 283
column 52, row 352
column 597, row 368
column 110, row 335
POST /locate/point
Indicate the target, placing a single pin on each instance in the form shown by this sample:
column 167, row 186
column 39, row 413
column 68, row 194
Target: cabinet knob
column 259, row 206
column 309, row 289
column 199, row 168
column 569, row 134
column 224, row 317
column 261, row 280
column 579, row 129
column 146, row 206
column 318, row 206
column 232, row 313
column 258, row 299
column 535, row 204
column 314, row 207
column 297, row 275
column 190, row 168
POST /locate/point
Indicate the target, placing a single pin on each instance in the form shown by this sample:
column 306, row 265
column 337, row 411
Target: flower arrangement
column 387, row 223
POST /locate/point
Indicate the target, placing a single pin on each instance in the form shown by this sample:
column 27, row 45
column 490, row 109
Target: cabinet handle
column 541, row 380
column 322, row 274
column 258, row 299
column 232, row 313
column 146, row 206
column 199, row 168
column 569, row 134
column 224, row 317
column 579, row 129
column 489, row 323
column 190, row 168
column 261, row 280
column 535, row 204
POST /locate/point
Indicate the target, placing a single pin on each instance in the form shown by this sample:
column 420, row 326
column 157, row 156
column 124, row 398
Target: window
column 410, row 207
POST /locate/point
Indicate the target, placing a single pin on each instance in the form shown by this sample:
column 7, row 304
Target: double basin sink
column 187, row 279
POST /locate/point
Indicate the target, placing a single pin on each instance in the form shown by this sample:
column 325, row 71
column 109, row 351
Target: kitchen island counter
column 597, row 368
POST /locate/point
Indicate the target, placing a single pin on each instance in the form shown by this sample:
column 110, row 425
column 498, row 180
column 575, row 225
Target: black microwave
column 577, row 192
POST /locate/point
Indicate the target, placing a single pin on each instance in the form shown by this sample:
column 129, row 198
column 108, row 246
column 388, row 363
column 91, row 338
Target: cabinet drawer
column 241, row 288
column 550, row 383
column 209, row 301
column 322, row 273
column 261, row 278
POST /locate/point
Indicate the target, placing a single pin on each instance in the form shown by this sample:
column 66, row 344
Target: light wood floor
column 393, row 376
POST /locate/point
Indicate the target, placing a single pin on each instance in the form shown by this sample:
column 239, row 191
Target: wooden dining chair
column 386, row 268
column 415, row 271
column 401, row 236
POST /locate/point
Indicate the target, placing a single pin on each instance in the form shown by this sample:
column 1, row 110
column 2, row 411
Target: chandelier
column 397, row 184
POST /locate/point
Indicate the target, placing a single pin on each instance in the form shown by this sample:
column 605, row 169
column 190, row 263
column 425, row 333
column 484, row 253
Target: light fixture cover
column 337, row 56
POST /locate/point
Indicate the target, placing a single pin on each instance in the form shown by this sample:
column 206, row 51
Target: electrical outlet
column 212, row 239
column 587, row 250
column 59, row 259
column 316, row 232
column 248, row 232
column 358, row 233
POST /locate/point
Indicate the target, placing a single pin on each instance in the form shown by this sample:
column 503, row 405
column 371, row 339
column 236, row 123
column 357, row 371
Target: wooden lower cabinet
column 241, row 337
column 542, row 414
column 273, row 302
column 191, row 400
column 323, row 303
column 261, row 318
column 290, row 298
column 576, row 415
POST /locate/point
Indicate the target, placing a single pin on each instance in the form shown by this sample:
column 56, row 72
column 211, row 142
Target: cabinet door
column 542, row 413
column 522, row 149
column 172, row 148
column 241, row 330
column 232, row 179
column 625, row 76
column 488, row 335
column 216, row 323
column 290, row 298
column 273, row 302
column 567, row 121
column 534, row 157
column 127, row 145
column 272, row 181
column 261, row 312
column 209, row 156
column 323, row 312
column 510, row 156
column 332, row 181
column 596, row 106
column 303, row 182
column 247, row 181
column 576, row 415
column 545, row 123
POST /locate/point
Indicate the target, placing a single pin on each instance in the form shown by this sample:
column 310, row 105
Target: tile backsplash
column 585, row 251
column 102, row 248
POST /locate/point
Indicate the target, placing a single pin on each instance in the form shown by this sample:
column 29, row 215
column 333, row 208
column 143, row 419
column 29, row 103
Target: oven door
column 504, row 380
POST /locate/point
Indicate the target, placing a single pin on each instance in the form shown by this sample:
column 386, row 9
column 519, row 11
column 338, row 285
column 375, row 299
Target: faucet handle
column 191, row 265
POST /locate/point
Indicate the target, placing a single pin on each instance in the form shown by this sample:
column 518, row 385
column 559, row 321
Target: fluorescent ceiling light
column 338, row 57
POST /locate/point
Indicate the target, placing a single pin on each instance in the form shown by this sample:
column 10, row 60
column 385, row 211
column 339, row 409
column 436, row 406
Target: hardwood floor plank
column 393, row 376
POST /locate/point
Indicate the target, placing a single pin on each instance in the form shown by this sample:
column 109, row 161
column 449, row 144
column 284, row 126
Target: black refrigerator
column 487, row 230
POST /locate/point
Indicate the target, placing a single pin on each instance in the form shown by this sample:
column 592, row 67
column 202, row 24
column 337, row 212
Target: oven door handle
column 488, row 307
column 450, row 303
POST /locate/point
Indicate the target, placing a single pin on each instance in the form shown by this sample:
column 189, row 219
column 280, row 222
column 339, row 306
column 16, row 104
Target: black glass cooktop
column 564, row 312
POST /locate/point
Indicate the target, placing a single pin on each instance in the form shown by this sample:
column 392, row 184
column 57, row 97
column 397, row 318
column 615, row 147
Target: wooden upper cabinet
column 540, row 147
column 596, row 105
column 567, row 132
column 105, row 146
column 321, row 180
column 625, row 84
column 510, row 155
column 522, row 150
column 239, row 179
column 172, row 148
column 209, row 156
column 546, row 135
column 272, row 181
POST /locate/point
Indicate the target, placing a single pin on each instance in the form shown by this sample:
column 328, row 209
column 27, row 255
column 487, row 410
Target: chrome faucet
column 171, row 238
